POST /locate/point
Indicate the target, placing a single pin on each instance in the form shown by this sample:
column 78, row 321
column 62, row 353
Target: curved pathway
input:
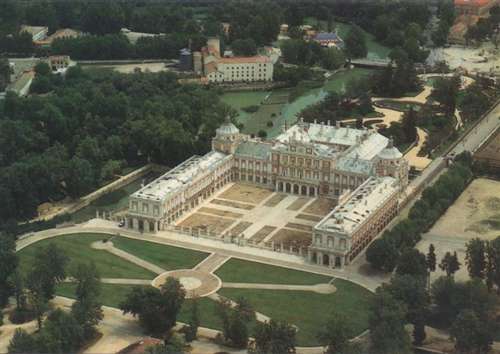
column 108, row 246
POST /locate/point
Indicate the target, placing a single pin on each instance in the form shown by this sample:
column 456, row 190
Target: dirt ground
column 262, row 233
column 246, row 193
column 320, row 206
column 291, row 237
column 298, row 204
column 130, row 68
column 476, row 213
column 208, row 222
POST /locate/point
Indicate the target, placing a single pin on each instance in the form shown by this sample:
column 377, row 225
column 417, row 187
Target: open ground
column 259, row 215
column 476, row 213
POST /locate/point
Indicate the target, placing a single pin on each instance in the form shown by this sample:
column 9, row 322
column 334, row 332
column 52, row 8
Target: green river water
column 285, row 112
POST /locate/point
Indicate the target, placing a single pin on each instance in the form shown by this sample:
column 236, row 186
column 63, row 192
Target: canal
column 276, row 107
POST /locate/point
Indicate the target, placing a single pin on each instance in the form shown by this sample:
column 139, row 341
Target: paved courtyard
column 476, row 213
column 259, row 215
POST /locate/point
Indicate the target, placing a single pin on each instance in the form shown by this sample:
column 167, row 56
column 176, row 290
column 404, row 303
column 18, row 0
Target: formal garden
column 305, row 300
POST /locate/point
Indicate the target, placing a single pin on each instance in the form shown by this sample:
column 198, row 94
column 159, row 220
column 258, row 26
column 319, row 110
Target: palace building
column 358, row 168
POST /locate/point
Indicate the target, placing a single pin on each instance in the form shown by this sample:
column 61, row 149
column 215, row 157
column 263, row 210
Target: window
column 156, row 210
column 318, row 239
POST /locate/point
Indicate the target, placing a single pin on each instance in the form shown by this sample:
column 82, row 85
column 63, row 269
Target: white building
column 239, row 69
column 359, row 169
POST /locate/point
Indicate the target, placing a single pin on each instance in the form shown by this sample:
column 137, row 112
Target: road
column 469, row 142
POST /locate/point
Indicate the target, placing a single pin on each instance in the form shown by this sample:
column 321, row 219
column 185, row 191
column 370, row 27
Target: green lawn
column 167, row 257
column 241, row 271
column 77, row 248
column 309, row 311
column 112, row 295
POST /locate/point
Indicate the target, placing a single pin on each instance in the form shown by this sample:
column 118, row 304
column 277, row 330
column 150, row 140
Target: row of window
column 330, row 242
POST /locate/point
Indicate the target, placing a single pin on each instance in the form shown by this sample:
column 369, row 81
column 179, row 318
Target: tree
column 355, row 43
column 412, row 262
column 445, row 93
column 102, row 18
column 409, row 124
column 22, row 342
column 475, row 258
column 49, row 268
column 157, row 309
column 386, row 323
column 42, row 69
column 235, row 321
column 194, row 322
column 332, row 58
column 61, row 333
column 5, row 73
column 431, row 259
column 471, row 334
column 262, row 134
column 450, row 263
column 244, row 47
column 37, row 298
column 274, row 337
column 175, row 345
column 493, row 264
column 382, row 254
column 8, row 265
column 336, row 334
column 87, row 309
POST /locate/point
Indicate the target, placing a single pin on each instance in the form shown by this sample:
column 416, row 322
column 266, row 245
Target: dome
column 390, row 153
column 227, row 128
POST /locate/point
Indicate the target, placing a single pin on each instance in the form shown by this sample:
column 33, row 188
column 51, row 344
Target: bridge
column 370, row 63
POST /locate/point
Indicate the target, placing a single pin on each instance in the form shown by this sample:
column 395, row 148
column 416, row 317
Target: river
column 280, row 113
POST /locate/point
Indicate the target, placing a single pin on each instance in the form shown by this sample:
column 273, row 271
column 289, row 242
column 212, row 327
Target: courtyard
column 476, row 213
column 304, row 299
column 260, row 216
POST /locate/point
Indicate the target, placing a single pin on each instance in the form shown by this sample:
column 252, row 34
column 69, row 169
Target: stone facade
column 351, row 166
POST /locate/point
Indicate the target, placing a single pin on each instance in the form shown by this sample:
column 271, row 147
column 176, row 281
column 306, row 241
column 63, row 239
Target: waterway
column 285, row 110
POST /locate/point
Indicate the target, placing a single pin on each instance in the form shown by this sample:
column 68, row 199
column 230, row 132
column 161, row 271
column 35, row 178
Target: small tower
column 227, row 138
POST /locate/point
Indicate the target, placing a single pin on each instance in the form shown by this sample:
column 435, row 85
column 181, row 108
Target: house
column 474, row 7
column 328, row 39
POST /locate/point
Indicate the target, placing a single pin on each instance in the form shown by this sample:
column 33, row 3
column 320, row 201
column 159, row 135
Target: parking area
column 259, row 215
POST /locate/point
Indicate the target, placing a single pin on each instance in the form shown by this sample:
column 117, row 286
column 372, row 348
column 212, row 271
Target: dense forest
column 397, row 24
column 90, row 126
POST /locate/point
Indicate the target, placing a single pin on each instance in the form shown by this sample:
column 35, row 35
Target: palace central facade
column 358, row 168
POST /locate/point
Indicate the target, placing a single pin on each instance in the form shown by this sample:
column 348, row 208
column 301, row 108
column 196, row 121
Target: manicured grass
column 112, row 295
column 167, row 257
column 309, row 311
column 77, row 248
column 241, row 271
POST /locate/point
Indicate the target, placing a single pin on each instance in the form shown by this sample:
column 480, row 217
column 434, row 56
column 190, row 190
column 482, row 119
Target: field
column 246, row 193
column 207, row 222
column 167, row 257
column 476, row 213
column 310, row 311
column 242, row 271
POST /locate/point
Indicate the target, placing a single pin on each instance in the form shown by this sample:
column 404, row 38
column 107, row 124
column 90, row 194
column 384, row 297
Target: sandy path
column 419, row 162
column 108, row 246
column 318, row 288
column 212, row 263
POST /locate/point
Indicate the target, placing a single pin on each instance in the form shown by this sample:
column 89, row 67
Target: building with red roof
column 474, row 7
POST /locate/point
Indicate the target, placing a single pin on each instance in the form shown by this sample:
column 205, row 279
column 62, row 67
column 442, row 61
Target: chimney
column 337, row 124
column 328, row 122
column 315, row 121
